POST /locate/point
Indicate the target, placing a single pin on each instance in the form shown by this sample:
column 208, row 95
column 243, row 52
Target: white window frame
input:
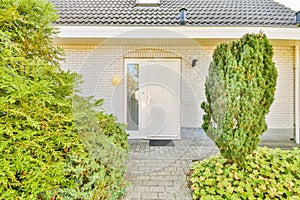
column 147, row 2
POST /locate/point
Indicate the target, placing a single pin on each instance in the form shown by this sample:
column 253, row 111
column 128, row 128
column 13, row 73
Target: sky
column 293, row 4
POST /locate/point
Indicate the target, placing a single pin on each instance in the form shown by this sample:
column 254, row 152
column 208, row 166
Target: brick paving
column 160, row 172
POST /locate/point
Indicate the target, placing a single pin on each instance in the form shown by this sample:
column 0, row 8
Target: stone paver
column 160, row 172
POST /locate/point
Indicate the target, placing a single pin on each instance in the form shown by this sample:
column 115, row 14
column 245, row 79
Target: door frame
column 127, row 61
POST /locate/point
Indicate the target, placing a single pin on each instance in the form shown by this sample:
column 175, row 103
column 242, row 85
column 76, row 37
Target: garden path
column 160, row 172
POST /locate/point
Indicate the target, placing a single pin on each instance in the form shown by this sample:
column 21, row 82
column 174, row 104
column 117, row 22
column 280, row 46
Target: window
column 148, row 2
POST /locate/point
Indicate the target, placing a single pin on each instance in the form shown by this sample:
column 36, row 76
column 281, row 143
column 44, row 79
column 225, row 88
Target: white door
column 153, row 98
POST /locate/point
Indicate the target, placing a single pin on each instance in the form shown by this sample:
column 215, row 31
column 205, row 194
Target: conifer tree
column 239, row 89
column 42, row 151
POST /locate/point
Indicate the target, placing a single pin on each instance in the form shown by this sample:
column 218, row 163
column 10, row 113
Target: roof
column 267, row 13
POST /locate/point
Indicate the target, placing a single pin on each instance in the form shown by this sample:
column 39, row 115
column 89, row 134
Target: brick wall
column 98, row 63
column 282, row 110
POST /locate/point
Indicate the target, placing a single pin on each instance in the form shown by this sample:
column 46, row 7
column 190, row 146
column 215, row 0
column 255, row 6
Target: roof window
column 147, row 2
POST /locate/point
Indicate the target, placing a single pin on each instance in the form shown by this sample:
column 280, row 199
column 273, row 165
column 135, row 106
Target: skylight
column 148, row 2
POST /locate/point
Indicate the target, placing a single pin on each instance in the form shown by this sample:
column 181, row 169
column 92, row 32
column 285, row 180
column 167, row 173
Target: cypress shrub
column 239, row 90
column 44, row 150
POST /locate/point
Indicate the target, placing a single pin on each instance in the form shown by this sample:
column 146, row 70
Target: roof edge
column 143, row 32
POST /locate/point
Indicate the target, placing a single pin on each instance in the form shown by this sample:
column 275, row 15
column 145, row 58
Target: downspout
column 297, row 114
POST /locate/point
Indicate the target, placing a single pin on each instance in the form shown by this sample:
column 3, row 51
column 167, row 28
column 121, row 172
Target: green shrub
column 99, row 175
column 35, row 131
column 268, row 174
column 44, row 150
column 239, row 90
column 37, row 125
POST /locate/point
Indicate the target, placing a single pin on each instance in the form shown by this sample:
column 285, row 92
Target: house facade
column 148, row 59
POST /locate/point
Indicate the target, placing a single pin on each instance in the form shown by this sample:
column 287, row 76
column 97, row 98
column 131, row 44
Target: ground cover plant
column 46, row 149
column 268, row 174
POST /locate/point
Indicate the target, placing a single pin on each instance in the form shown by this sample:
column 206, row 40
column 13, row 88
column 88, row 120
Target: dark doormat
column 169, row 143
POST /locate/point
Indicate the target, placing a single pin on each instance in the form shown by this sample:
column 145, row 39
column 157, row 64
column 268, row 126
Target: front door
column 153, row 98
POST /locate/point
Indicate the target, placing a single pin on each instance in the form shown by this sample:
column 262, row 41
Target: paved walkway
column 160, row 172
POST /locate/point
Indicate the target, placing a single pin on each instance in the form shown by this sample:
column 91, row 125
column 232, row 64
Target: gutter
column 177, row 32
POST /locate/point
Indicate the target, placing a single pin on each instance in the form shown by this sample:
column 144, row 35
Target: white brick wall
column 281, row 115
column 98, row 63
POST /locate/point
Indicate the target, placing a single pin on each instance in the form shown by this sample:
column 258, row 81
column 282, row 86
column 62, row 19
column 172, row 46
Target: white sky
column 293, row 4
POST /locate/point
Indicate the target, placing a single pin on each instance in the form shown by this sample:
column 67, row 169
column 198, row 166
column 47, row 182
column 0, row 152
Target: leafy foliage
column 239, row 89
column 33, row 92
column 99, row 175
column 269, row 174
column 43, row 154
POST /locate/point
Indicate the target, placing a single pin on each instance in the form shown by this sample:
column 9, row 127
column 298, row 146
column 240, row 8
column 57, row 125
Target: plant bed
column 267, row 174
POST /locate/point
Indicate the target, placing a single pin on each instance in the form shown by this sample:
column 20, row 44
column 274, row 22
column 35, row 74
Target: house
column 148, row 59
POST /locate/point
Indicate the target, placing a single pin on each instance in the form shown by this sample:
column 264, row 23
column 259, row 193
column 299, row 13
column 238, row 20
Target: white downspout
column 297, row 76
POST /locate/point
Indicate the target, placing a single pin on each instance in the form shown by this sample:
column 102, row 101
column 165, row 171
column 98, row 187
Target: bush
column 37, row 124
column 44, row 153
column 98, row 175
column 239, row 89
column 269, row 174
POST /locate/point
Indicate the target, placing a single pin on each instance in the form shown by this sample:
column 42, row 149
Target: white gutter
column 174, row 32
column 297, row 87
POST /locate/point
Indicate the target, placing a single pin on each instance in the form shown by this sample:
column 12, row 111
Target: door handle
column 149, row 98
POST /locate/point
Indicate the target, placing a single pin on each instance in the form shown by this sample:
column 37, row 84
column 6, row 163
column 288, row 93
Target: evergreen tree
column 42, row 155
column 239, row 89
column 36, row 130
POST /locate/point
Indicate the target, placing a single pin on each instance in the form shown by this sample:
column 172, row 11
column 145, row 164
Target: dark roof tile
column 199, row 13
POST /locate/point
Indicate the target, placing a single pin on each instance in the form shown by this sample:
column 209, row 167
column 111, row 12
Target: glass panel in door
column 132, row 97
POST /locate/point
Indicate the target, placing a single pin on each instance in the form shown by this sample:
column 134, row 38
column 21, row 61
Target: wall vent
column 182, row 18
column 297, row 18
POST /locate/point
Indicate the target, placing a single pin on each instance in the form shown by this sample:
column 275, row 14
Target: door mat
column 169, row 143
